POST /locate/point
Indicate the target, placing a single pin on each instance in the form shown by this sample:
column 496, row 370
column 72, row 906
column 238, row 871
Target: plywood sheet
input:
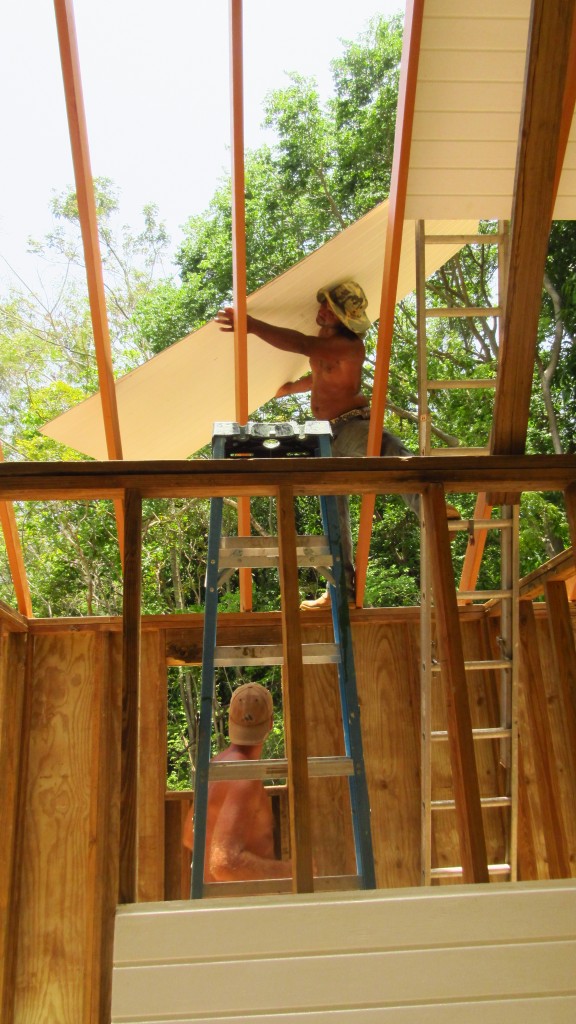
column 167, row 407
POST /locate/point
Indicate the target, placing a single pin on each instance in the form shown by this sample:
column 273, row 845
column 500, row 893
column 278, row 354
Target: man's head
column 348, row 303
column 250, row 714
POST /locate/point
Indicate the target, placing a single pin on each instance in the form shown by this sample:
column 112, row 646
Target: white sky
column 156, row 92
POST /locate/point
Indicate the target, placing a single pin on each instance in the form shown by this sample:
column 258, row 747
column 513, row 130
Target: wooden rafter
column 14, row 553
column 540, row 137
column 395, row 225
column 89, row 227
column 239, row 265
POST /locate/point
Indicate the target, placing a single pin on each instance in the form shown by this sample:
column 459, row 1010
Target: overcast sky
column 156, row 89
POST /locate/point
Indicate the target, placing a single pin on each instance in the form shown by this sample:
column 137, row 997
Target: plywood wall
column 62, row 692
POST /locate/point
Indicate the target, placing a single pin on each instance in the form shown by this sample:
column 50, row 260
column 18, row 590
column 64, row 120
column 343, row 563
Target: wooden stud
column 77, row 127
column 294, row 698
column 532, row 684
column 461, row 744
column 394, row 229
column 564, row 653
column 16, row 705
column 550, row 34
column 152, row 758
column 177, row 858
column 14, row 553
column 130, row 695
column 103, row 852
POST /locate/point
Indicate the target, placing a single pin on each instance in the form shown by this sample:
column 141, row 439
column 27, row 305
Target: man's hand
column 225, row 318
column 285, row 389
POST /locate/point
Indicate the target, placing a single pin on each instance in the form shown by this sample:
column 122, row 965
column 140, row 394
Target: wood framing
column 131, row 662
column 393, row 244
column 545, row 83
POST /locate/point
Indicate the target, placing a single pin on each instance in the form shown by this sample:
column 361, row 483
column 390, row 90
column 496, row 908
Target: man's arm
column 235, row 831
column 279, row 337
column 295, row 387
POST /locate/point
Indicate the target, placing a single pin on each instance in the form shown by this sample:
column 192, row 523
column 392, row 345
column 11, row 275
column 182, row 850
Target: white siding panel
column 457, row 66
column 478, row 126
column 466, row 181
column 480, row 953
column 474, row 97
column 452, row 154
column 482, row 207
column 474, row 34
column 478, row 9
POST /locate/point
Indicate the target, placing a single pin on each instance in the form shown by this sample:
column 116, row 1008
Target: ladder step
column 456, row 872
column 468, row 385
column 479, row 666
column 273, row 654
column 439, row 452
column 479, row 524
column 491, row 239
column 482, row 595
column 460, row 311
column 277, row 768
column 271, row 886
column 503, row 733
column 485, row 801
column 262, row 552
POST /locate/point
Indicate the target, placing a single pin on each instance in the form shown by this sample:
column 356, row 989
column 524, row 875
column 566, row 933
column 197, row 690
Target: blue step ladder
column 225, row 555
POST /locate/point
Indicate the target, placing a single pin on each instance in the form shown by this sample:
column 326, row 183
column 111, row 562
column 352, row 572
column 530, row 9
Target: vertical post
column 293, row 696
column 89, row 227
column 130, row 694
column 239, row 266
column 16, row 698
column 460, row 739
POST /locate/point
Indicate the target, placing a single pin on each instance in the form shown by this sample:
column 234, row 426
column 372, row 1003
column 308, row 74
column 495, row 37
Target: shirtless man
column 239, row 824
column 336, row 357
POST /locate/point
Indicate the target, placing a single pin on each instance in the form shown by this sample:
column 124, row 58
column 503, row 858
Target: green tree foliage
column 329, row 164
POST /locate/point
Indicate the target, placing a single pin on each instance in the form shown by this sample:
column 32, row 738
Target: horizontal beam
column 56, row 481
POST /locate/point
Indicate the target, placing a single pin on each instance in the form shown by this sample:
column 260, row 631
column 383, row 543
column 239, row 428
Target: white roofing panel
column 167, row 406
column 467, row 112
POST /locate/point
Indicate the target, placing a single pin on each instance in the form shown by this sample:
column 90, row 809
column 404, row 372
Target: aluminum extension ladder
column 225, row 554
column 502, row 661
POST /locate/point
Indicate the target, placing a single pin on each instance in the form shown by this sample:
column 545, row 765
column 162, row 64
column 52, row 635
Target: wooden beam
column 460, row 740
column 394, row 228
column 475, row 548
column 294, row 699
column 15, row 556
column 77, row 128
column 16, row 706
column 52, row 481
column 561, row 567
column 532, row 689
column 550, row 35
column 239, row 265
column 564, row 652
column 131, row 639
column 152, row 755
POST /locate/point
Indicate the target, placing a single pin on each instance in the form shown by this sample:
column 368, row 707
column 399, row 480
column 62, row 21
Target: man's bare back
column 239, row 822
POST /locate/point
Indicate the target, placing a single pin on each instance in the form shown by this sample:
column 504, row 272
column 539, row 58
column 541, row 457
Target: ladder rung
column 270, row 886
column 478, row 734
column 277, row 768
column 479, row 666
column 485, row 801
column 262, row 552
column 491, row 239
column 273, row 654
column 468, row 385
column 461, row 311
column 479, row 524
column 459, row 451
column 455, row 872
column 482, row 595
